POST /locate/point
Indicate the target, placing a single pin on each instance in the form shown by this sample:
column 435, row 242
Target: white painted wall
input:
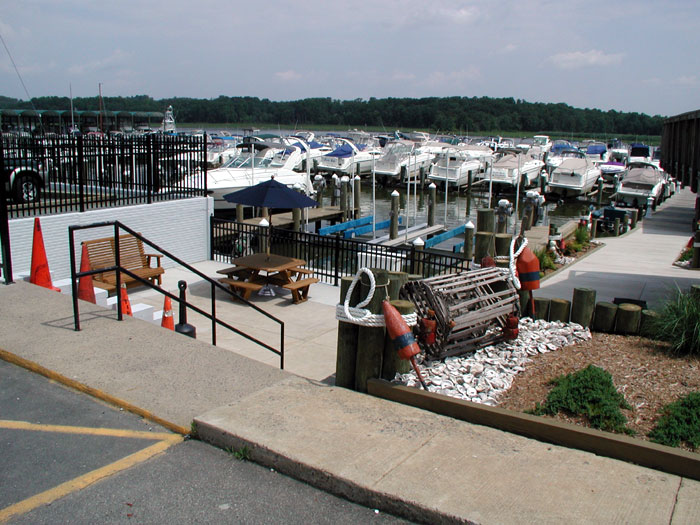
column 180, row 227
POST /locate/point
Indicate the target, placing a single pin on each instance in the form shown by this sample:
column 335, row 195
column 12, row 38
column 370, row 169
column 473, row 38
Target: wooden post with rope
column 370, row 339
column 346, row 352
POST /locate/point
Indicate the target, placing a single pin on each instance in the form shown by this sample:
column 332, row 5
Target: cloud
column 686, row 80
column 509, row 48
column 452, row 79
column 578, row 59
column 116, row 58
column 288, row 76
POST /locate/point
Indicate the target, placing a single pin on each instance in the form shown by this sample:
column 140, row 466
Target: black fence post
column 150, row 169
column 81, row 173
column 4, row 223
column 336, row 258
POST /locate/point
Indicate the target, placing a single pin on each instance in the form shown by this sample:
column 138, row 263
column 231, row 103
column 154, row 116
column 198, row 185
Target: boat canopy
column 341, row 152
column 596, row 149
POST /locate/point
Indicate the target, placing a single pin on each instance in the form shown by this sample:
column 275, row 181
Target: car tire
column 26, row 189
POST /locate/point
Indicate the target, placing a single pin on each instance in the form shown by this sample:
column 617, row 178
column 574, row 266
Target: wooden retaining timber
column 470, row 308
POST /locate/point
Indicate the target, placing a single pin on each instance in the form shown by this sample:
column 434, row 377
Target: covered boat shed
column 60, row 121
column 680, row 150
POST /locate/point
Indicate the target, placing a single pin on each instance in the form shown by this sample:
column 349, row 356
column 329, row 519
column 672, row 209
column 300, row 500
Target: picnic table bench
column 132, row 256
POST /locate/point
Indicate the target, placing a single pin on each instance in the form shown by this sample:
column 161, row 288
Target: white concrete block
column 101, row 297
column 64, row 285
column 142, row 311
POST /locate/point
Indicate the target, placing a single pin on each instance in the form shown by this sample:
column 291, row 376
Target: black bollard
column 182, row 327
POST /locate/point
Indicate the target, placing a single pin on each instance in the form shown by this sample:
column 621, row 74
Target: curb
column 94, row 392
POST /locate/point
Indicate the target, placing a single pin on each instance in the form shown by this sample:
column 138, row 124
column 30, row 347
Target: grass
column 686, row 255
column 590, row 393
column 679, row 423
column 582, row 235
column 678, row 323
column 545, row 258
column 242, row 454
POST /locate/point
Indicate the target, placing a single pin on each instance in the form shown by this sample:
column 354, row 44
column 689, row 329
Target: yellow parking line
column 87, row 479
column 113, row 432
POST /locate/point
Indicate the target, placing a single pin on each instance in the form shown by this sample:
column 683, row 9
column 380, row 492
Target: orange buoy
column 510, row 330
column 428, row 326
column 528, row 266
column 402, row 337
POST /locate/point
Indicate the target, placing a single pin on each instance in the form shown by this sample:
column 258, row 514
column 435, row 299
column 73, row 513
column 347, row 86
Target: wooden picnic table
column 253, row 272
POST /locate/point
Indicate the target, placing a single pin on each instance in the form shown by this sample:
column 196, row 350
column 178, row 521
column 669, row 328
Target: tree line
column 462, row 115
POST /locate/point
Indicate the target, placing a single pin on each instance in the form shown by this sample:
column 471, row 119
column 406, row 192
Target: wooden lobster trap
column 470, row 308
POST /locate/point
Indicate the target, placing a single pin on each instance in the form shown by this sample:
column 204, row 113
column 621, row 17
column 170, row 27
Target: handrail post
column 73, row 284
column 150, row 170
column 6, row 261
column 117, row 262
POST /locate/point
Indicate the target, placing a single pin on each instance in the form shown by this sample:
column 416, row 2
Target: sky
column 641, row 56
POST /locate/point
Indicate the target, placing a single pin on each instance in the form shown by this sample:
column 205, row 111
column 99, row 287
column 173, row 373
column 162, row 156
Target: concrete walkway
column 389, row 456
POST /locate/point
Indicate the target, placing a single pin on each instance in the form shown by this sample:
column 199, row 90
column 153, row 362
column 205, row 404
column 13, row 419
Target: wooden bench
column 243, row 288
column 101, row 253
column 300, row 289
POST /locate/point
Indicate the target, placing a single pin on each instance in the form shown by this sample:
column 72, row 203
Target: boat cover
column 596, row 149
column 644, row 176
column 342, row 152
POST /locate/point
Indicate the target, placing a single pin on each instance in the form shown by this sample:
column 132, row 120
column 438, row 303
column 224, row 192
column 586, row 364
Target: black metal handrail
column 76, row 275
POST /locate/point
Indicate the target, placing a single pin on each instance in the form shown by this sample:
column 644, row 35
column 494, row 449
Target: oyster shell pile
column 483, row 376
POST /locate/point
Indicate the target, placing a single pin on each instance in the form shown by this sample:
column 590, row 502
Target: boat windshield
column 539, row 140
column 245, row 161
column 397, row 148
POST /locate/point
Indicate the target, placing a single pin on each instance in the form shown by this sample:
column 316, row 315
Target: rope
column 513, row 257
column 361, row 316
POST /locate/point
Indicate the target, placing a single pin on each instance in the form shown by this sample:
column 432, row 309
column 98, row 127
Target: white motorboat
column 643, row 181
column 554, row 157
column 402, row 159
column 513, row 169
column 168, row 125
column 542, row 142
column 453, row 166
column 597, row 152
column 640, row 152
column 249, row 169
column 575, row 174
column 348, row 159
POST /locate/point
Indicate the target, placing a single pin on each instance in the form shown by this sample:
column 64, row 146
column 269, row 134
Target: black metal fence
column 64, row 173
column 330, row 257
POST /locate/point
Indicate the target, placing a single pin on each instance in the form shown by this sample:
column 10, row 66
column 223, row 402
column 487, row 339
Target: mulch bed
column 647, row 377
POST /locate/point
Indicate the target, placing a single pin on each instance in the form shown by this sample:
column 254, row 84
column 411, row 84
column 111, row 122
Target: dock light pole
column 447, row 173
column 374, row 199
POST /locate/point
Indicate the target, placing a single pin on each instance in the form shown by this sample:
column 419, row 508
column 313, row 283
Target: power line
column 29, row 98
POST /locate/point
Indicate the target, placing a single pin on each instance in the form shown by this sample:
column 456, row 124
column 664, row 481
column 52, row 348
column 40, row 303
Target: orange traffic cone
column 40, row 274
column 124, row 299
column 86, row 292
column 167, row 321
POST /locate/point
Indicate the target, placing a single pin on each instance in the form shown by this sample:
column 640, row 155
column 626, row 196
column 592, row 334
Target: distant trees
column 444, row 114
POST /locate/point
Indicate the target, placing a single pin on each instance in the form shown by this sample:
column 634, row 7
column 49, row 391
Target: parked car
column 25, row 179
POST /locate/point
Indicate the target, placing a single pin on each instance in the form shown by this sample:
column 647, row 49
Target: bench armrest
column 158, row 256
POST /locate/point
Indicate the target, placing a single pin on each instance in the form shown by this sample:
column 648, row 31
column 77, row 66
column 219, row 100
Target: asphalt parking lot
column 67, row 457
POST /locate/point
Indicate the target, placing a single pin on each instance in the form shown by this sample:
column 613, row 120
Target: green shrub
column 678, row 323
column 680, row 422
column 685, row 255
column 545, row 258
column 572, row 247
column 582, row 235
column 591, row 393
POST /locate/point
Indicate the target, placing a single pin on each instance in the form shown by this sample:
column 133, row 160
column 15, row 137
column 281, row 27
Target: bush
column 545, row 258
column 686, row 255
column 591, row 393
column 572, row 247
column 678, row 323
column 680, row 423
column 582, row 235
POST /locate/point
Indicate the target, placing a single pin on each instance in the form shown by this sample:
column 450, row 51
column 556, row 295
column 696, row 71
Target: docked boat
column 575, row 175
column 644, row 181
column 168, row 125
column 513, row 169
column 554, row 157
column 542, row 142
column 348, row 159
column 253, row 166
column 640, row 152
column 402, row 159
column 597, row 152
column 453, row 166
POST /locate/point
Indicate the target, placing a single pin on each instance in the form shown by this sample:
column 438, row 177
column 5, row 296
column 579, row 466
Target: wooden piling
column 396, row 281
column 646, row 323
column 559, row 310
column 370, row 339
column 391, row 363
column 628, row 319
column 604, row 317
column 469, row 241
column 583, row 306
column 483, row 245
column 485, row 220
column 394, row 216
column 541, row 308
column 432, row 195
column 356, row 197
column 346, row 350
column 633, row 218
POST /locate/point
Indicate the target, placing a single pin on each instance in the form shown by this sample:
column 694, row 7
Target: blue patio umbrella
column 270, row 194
